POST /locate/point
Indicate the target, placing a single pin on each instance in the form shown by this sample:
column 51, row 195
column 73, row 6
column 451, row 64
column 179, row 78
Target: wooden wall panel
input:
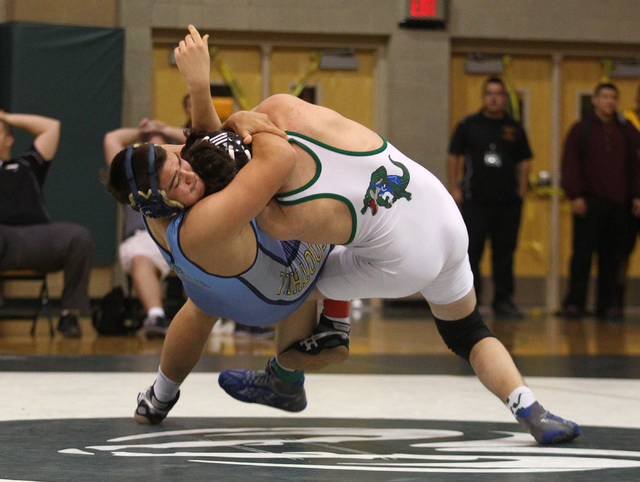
column 349, row 92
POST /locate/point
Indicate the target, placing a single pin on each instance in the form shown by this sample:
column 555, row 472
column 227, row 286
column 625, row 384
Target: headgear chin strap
column 155, row 203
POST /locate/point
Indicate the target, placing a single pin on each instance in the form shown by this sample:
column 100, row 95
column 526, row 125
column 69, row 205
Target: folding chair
column 44, row 307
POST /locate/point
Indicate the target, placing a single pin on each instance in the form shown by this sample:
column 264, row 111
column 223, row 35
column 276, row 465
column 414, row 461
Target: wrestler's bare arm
column 320, row 220
column 325, row 125
column 194, row 62
column 192, row 57
column 221, row 220
column 247, row 123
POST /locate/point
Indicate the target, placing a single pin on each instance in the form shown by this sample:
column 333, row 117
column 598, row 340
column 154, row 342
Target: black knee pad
column 462, row 335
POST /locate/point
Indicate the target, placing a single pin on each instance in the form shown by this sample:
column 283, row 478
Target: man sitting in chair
column 29, row 240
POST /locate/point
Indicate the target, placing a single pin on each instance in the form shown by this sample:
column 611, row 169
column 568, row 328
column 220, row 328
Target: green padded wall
column 73, row 74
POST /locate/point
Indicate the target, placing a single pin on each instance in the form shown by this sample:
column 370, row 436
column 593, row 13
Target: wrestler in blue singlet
column 280, row 279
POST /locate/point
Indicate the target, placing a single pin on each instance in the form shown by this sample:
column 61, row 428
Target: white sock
column 155, row 312
column 520, row 398
column 165, row 389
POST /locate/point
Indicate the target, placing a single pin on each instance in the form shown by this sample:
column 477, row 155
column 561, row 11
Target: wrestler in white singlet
column 408, row 235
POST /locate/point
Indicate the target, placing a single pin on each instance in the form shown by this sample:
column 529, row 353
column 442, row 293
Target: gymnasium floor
column 400, row 409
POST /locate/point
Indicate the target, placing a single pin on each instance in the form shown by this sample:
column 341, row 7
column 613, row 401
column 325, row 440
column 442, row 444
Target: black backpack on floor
column 114, row 317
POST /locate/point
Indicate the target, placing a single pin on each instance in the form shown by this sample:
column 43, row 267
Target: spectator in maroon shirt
column 601, row 179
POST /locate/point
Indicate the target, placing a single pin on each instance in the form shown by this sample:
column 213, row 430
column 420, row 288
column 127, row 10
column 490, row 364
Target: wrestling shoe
column 156, row 327
column 265, row 388
column 545, row 427
column 326, row 324
column 151, row 410
column 329, row 343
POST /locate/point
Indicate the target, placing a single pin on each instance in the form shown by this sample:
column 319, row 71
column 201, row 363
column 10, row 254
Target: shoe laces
column 259, row 377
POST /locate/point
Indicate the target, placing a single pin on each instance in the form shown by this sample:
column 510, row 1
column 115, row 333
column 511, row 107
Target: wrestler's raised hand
column 192, row 57
column 246, row 123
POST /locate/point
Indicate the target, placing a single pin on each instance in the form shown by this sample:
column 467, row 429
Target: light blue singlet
column 280, row 279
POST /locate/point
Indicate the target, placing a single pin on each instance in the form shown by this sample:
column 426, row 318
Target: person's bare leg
column 296, row 326
column 299, row 326
column 183, row 346
column 490, row 360
column 146, row 281
column 496, row 370
column 185, row 341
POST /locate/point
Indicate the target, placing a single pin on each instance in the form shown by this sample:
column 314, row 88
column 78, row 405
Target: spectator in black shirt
column 28, row 238
column 495, row 152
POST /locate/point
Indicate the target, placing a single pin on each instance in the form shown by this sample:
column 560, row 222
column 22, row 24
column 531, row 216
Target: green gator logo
column 384, row 190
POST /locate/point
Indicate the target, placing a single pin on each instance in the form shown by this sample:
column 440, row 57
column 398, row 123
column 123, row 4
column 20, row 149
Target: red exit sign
column 423, row 8
column 427, row 14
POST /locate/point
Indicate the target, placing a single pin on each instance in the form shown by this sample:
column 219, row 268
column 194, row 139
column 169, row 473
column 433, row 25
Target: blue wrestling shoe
column 545, row 427
column 151, row 410
column 265, row 388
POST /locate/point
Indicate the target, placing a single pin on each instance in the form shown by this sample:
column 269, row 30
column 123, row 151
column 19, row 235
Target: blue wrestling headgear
column 231, row 143
column 155, row 203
